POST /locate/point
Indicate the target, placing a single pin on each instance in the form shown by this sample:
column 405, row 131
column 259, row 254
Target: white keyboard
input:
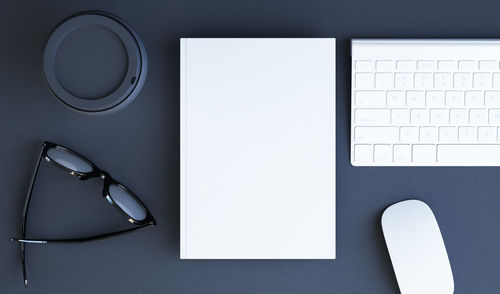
column 425, row 103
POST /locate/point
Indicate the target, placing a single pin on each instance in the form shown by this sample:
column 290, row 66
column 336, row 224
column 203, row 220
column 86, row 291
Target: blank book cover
column 257, row 148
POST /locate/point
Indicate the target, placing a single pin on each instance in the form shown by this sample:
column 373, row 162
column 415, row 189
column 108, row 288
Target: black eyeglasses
column 115, row 193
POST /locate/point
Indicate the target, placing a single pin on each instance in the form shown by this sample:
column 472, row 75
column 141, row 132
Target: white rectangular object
column 257, row 148
column 440, row 99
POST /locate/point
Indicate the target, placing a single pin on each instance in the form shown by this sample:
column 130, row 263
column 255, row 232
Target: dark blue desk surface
column 140, row 147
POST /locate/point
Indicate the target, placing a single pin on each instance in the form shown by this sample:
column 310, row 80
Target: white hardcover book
column 257, row 148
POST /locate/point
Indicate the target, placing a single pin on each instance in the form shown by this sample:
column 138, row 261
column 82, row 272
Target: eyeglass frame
column 95, row 173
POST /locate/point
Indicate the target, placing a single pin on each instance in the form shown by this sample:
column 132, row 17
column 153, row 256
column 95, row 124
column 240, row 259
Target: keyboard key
column 459, row 116
column 447, row 65
column 488, row 65
column 496, row 81
column 406, row 65
column 467, row 134
column 364, row 65
column 428, row 134
column 434, row 98
column 454, row 98
column 382, row 153
column 370, row 98
column 365, row 81
column 415, row 99
column 396, row 98
column 478, row 116
column 402, row 153
column 443, row 80
column 363, row 153
column 384, row 81
column 468, row 154
column 375, row 134
column 403, row 80
column 424, row 153
column 426, row 65
column 448, row 134
column 385, row 65
column 482, row 80
column 494, row 117
column 462, row 80
column 467, row 65
column 372, row 116
column 408, row 134
column 474, row 98
column 486, row 134
column 400, row 116
column 492, row 98
column 419, row 116
column 423, row 80
column 439, row 117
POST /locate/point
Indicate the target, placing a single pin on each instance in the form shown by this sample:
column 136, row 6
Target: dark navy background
column 139, row 146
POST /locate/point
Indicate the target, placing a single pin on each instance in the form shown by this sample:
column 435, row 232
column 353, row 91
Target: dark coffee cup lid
column 94, row 63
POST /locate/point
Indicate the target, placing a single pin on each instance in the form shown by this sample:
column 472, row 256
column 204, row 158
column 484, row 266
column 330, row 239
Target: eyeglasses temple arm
column 30, row 190
column 81, row 240
column 24, row 217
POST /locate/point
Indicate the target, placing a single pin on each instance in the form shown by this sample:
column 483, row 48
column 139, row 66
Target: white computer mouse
column 417, row 249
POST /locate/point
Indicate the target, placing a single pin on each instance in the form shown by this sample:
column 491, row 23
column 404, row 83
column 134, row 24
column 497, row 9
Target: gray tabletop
column 139, row 146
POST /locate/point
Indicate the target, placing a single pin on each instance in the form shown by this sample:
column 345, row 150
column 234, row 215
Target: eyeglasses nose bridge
column 103, row 175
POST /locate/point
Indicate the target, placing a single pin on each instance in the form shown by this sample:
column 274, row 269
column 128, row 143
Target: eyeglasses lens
column 127, row 201
column 69, row 160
